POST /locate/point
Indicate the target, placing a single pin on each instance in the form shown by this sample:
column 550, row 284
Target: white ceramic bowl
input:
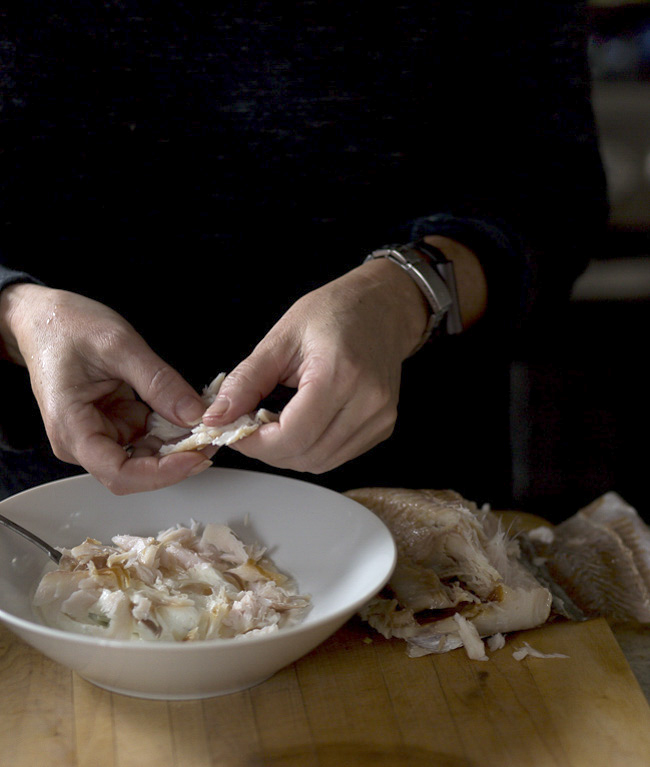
column 339, row 552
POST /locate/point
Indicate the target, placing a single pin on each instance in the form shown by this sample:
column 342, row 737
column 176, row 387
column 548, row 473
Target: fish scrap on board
column 464, row 578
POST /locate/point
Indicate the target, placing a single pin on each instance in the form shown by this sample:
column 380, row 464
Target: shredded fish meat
column 526, row 651
column 177, row 439
column 184, row 584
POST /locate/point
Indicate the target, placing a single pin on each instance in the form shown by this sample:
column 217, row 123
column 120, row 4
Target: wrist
column 402, row 298
column 433, row 273
column 14, row 300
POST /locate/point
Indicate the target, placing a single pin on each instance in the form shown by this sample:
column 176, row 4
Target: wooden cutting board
column 357, row 700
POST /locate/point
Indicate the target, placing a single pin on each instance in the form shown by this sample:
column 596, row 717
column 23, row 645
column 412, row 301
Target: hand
column 85, row 364
column 341, row 347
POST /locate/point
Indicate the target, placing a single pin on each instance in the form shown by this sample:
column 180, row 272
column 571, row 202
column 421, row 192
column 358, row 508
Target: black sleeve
column 527, row 192
column 468, row 119
column 11, row 277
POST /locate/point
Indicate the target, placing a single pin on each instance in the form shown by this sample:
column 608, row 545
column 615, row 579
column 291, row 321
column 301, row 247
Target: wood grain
column 355, row 700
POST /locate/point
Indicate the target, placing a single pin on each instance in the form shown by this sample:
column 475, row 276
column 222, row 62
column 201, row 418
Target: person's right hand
column 86, row 364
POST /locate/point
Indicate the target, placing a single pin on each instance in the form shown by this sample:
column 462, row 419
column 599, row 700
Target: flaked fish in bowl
column 201, row 602
column 185, row 584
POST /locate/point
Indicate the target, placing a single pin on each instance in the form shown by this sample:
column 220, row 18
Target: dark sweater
column 200, row 169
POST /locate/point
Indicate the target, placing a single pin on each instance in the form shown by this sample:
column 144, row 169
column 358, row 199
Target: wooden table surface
column 355, row 700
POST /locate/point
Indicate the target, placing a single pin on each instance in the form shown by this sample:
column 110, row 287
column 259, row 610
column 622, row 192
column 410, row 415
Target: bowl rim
column 338, row 616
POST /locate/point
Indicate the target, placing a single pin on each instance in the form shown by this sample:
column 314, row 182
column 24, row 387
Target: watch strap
column 434, row 275
column 445, row 269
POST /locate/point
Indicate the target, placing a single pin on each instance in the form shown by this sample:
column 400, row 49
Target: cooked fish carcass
column 458, row 577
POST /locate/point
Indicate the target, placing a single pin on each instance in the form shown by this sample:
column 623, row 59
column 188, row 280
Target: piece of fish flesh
column 526, row 651
column 178, row 439
column 458, row 578
column 600, row 557
column 184, row 584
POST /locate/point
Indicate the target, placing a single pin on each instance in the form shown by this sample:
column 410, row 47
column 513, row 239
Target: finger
column 340, row 444
column 128, row 417
column 308, row 415
column 249, row 383
column 122, row 474
column 149, row 445
column 303, row 420
column 159, row 385
column 337, row 445
column 357, row 426
column 121, row 420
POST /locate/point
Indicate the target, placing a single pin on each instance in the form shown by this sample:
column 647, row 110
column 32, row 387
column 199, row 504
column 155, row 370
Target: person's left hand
column 342, row 347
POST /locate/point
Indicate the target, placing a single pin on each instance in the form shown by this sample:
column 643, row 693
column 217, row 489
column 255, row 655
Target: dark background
column 580, row 419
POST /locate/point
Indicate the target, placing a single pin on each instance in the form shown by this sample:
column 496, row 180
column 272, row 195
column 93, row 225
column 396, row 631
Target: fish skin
column 598, row 556
column 617, row 515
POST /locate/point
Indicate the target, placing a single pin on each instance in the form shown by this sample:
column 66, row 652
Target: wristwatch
column 433, row 273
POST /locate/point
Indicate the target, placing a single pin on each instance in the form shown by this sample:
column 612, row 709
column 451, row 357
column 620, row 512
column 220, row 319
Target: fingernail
column 199, row 468
column 189, row 410
column 220, row 406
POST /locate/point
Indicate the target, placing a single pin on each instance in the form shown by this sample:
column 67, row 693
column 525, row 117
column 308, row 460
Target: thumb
column 249, row 383
column 161, row 387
